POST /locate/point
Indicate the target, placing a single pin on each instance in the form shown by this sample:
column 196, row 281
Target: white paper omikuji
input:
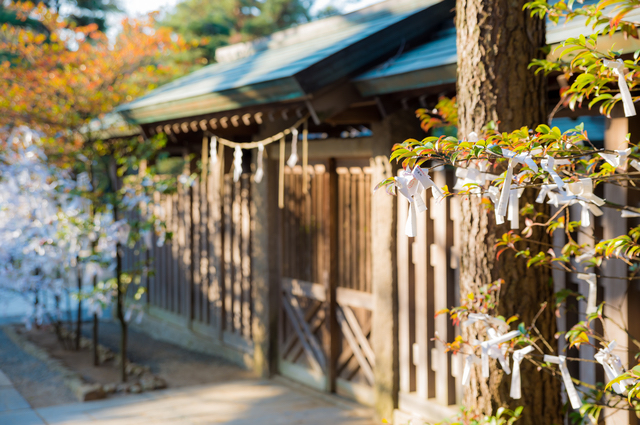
column 486, row 347
column 408, row 187
column 618, row 159
column 561, row 361
column 426, row 182
column 469, row 360
column 548, row 164
column 580, row 192
column 514, row 159
column 612, row 366
column 627, row 101
column 516, row 381
column 592, row 299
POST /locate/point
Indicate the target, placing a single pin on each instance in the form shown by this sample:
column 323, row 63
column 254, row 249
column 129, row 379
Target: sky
column 137, row 7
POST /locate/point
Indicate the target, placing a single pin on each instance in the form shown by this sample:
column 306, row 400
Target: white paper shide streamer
column 259, row 171
column 516, row 380
column 237, row 163
column 213, row 150
column 293, row 159
column 627, row 101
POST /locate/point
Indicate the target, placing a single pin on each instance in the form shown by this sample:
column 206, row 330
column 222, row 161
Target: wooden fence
column 202, row 276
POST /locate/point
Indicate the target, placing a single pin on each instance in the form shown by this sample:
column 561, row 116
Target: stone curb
column 73, row 380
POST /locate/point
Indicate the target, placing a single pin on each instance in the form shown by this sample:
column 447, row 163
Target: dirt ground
column 177, row 366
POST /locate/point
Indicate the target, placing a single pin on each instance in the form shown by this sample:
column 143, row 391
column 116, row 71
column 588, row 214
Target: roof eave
column 285, row 89
column 418, row 79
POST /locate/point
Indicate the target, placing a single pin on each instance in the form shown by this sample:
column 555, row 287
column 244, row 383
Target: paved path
column 246, row 402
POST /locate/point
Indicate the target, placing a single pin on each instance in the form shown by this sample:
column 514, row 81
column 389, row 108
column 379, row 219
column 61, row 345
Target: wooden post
column 384, row 333
column 615, row 290
column 332, row 279
column 263, row 326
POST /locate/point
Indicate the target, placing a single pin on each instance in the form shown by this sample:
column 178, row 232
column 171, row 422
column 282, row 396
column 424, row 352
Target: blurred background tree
column 210, row 25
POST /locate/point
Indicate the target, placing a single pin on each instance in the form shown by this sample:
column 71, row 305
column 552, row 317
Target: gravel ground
column 32, row 378
column 178, row 366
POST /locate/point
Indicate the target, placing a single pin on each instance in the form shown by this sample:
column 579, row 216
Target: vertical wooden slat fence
column 202, row 276
column 426, row 282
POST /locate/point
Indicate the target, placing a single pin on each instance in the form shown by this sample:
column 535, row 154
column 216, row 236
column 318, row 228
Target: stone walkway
column 247, row 402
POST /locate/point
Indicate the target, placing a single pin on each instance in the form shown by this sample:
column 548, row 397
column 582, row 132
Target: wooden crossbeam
column 360, row 337
column 293, row 301
column 289, row 343
column 353, row 343
column 301, row 336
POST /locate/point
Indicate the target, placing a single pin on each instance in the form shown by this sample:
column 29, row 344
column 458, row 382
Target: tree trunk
column 496, row 41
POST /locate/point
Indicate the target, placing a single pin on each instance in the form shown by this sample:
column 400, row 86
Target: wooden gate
column 325, row 319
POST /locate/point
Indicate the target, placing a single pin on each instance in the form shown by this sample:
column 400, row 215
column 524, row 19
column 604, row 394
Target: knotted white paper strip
column 213, row 150
column 576, row 403
column 501, row 208
column 237, row 163
column 293, row 159
column 586, row 256
column 548, row 164
column 427, row 183
column 629, row 214
column 259, row 171
column 612, row 366
column 516, row 381
column 408, row 186
column 627, row 101
column 469, row 360
column 544, row 190
column 481, row 317
column 635, row 164
column 580, row 192
column 486, row 348
column 498, row 353
column 592, row 299
column 513, row 214
column 618, row 159
column 514, row 159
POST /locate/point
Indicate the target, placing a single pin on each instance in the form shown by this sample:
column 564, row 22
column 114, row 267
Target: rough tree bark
column 496, row 41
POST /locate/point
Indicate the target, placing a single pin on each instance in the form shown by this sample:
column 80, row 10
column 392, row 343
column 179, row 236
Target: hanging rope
column 265, row 142
column 305, row 157
column 281, row 176
column 260, row 146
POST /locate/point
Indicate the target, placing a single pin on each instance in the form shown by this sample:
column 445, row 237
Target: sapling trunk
column 96, row 358
column 79, row 321
column 120, row 290
column 121, row 318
